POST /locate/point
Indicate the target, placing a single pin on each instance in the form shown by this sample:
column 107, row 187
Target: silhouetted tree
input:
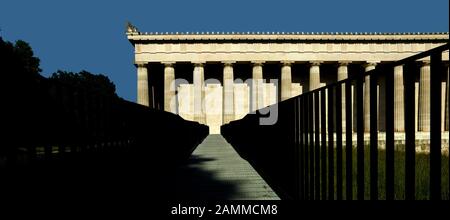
column 19, row 58
column 40, row 110
column 99, row 84
column 27, row 60
column 22, row 95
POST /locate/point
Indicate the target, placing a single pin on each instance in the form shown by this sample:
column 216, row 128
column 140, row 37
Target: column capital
column 228, row 63
column 398, row 66
column 257, row 62
column 344, row 62
column 371, row 64
column 198, row 64
column 168, row 64
column 141, row 64
column 425, row 62
column 315, row 63
column 286, row 62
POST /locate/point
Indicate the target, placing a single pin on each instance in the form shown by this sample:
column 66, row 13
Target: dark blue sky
column 88, row 34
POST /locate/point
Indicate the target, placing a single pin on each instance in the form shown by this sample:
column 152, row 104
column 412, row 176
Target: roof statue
column 131, row 28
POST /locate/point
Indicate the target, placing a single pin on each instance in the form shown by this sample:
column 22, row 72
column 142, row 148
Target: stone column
column 443, row 92
column 424, row 97
column 399, row 109
column 314, row 75
column 169, row 88
column 369, row 66
column 142, row 84
column 286, row 80
column 228, row 93
column 447, row 97
column 199, row 93
column 416, row 106
column 257, row 82
column 342, row 73
column 314, row 83
column 444, row 98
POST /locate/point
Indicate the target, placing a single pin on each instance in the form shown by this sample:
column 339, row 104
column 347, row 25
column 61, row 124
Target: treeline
column 41, row 108
column 19, row 63
column 71, row 113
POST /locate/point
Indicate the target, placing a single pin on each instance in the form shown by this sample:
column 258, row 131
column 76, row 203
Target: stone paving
column 216, row 171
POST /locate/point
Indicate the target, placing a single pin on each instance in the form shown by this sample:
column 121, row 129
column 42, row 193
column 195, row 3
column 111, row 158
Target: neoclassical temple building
column 217, row 77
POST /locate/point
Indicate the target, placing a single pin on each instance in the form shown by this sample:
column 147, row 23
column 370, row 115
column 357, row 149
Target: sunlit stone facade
column 215, row 78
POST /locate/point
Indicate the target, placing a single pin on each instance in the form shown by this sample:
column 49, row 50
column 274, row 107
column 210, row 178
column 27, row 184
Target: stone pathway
column 216, row 171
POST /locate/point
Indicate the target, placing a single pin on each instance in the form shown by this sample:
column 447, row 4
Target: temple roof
column 285, row 36
column 285, row 33
column 134, row 34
